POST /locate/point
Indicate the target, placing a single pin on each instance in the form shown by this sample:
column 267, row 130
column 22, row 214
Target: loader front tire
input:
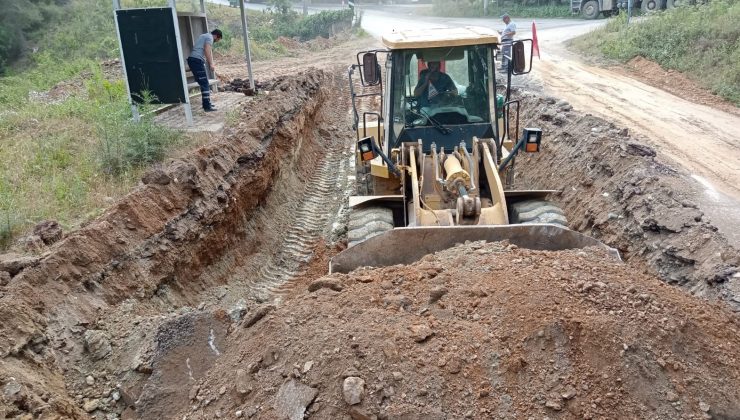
column 366, row 222
column 537, row 211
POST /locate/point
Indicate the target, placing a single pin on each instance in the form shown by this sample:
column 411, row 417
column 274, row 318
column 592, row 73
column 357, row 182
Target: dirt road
column 700, row 139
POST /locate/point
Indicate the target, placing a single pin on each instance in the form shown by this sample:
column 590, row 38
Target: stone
column 397, row 376
column 553, row 404
column 307, row 366
column 239, row 414
column 222, row 390
column 568, row 393
column 331, row 284
column 156, row 177
column 237, row 312
column 258, row 314
column 454, row 365
column 91, row 405
column 251, row 412
column 193, row 392
column 292, row 399
column 49, row 231
column 89, row 380
column 436, row 294
column 704, row 406
column 243, row 382
column 14, row 263
column 420, row 332
column 97, row 343
column 12, row 390
column 671, row 396
column 353, row 390
column 358, row 413
column 639, row 149
column 4, row 278
column 115, row 395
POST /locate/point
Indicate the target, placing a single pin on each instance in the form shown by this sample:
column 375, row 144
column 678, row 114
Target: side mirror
column 370, row 69
column 519, row 59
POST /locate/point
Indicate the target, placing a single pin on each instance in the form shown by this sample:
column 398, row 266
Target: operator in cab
column 433, row 85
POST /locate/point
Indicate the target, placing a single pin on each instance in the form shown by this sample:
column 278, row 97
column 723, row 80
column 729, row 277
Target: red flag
column 535, row 44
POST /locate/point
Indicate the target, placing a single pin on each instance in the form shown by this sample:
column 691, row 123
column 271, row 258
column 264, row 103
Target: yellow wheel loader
column 437, row 139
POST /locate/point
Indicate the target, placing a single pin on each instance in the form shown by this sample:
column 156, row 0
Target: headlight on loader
column 367, row 151
column 534, row 137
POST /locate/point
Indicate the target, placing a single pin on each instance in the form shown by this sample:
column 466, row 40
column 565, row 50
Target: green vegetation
column 474, row 8
column 67, row 141
column 702, row 41
column 267, row 27
column 22, row 21
column 65, row 159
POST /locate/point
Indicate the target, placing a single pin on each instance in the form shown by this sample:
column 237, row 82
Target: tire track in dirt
column 313, row 214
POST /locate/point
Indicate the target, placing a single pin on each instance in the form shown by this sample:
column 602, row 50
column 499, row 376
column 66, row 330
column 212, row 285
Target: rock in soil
column 353, row 390
column 292, row 399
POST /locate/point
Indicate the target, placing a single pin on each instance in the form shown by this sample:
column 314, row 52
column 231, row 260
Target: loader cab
column 442, row 95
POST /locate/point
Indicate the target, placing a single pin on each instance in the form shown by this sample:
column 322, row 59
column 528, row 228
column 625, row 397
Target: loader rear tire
column 366, row 222
column 537, row 211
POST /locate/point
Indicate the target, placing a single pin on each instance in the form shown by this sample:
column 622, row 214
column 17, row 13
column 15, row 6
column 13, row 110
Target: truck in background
column 591, row 9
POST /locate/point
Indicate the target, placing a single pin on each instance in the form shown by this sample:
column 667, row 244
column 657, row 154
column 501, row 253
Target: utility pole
column 485, row 7
column 305, row 7
column 245, row 35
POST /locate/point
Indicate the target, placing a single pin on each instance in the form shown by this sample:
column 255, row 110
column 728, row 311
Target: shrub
column 702, row 41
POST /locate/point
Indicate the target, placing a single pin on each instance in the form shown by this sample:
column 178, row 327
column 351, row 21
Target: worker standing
column 201, row 55
column 507, row 38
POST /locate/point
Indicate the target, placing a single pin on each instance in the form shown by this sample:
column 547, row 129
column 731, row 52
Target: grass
column 702, row 41
column 69, row 160
column 475, row 9
column 69, row 157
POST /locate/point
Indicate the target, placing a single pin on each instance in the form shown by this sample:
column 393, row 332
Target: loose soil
column 675, row 82
column 481, row 331
column 203, row 293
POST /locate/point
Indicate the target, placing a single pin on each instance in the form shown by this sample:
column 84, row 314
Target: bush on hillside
column 22, row 21
column 702, row 41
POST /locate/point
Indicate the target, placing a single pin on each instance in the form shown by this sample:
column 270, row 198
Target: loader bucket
column 406, row 245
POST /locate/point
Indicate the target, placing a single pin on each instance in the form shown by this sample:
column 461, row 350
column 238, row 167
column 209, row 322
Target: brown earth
column 197, row 294
column 675, row 82
column 159, row 249
column 614, row 186
column 482, row 331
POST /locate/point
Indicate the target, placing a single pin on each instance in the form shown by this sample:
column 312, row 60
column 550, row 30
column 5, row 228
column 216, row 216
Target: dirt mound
column 617, row 188
column 674, row 82
column 481, row 331
column 92, row 305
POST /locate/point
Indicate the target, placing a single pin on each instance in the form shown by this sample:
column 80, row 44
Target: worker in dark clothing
column 433, row 85
column 201, row 55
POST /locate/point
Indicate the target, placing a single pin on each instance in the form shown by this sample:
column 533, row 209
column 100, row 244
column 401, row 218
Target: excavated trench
column 232, row 222
column 122, row 317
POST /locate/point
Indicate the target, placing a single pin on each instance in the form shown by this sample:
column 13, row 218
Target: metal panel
column 151, row 55
column 406, row 245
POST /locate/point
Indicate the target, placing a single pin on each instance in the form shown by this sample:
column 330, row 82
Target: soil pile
column 617, row 188
column 480, row 331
